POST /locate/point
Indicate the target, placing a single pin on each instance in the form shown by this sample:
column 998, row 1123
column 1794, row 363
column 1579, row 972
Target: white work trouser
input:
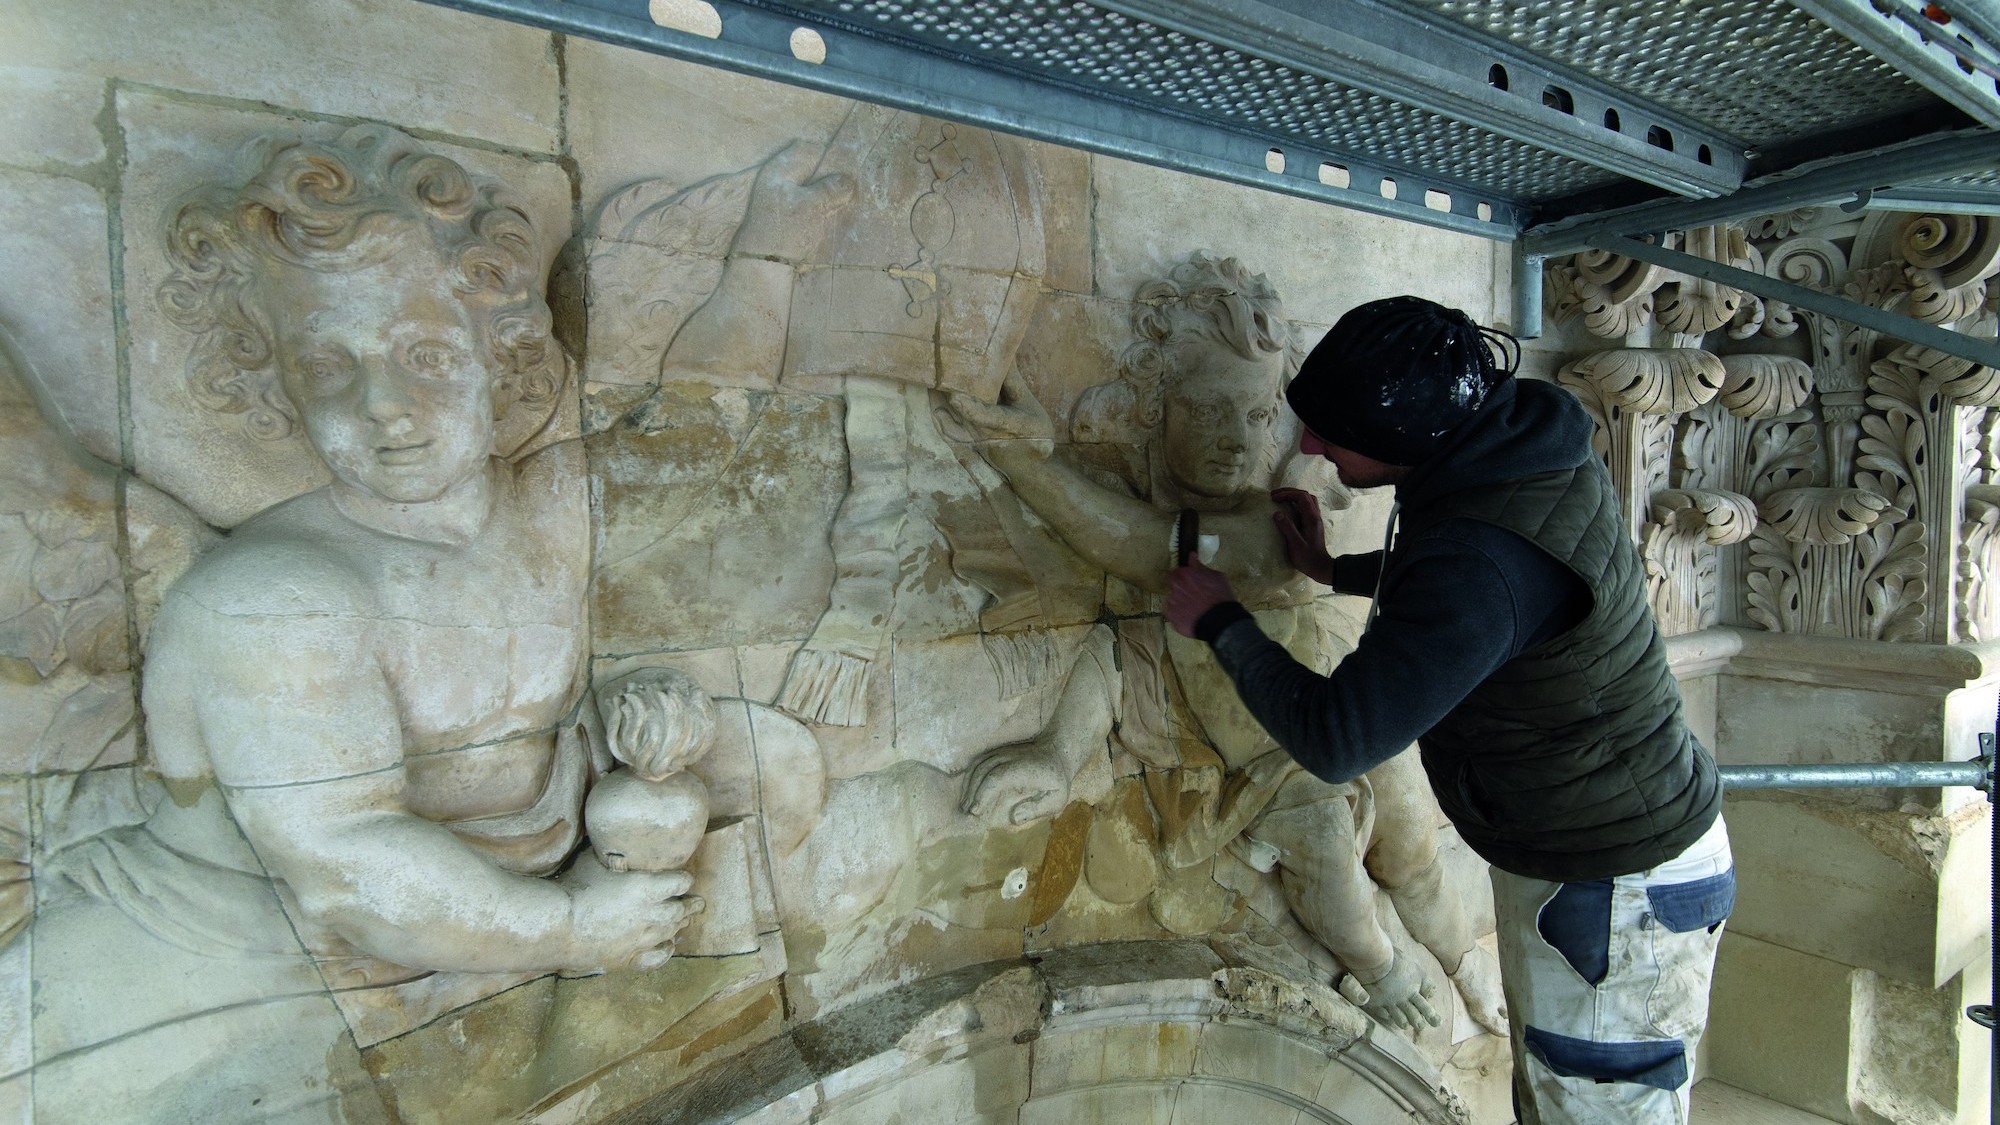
column 1607, row 986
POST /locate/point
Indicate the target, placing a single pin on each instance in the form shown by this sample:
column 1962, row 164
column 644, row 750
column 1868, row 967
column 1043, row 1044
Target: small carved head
column 335, row 260
column 1206, row 373
column 657, row 721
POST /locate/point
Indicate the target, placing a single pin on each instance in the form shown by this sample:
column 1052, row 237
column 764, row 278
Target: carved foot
column 1478, row 984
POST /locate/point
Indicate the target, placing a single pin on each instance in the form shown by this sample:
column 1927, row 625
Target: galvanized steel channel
column 756, row 39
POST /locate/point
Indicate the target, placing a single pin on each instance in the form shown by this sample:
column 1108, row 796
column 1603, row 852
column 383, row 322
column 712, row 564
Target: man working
column 1511, row 639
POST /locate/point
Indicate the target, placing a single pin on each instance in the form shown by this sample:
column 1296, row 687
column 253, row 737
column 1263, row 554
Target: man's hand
column 1193, row 590
column 1304, row 532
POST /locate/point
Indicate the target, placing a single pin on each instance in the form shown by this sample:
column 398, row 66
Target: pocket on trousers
column 1577, row 924
column 1702, row 904
column 1659, row 1063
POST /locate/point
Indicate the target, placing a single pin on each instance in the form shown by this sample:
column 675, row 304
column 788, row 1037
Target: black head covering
column 1394, row 377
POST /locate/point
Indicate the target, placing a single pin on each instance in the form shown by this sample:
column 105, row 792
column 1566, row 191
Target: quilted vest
column 1572, row 761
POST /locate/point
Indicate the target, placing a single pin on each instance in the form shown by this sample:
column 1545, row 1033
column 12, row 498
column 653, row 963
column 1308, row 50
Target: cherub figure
column 368, row 704
column 1200, row 387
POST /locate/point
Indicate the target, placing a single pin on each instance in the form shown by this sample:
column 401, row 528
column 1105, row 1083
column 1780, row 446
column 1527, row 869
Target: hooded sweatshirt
column 1511, row 640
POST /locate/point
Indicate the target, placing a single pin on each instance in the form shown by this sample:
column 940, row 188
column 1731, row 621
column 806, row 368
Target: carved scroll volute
column 1615, row 292
column 1765, row 386
column 1814, row 263
column 1696, row 307
column 1716, row 518
column 1950, row 259
column 1822, row 517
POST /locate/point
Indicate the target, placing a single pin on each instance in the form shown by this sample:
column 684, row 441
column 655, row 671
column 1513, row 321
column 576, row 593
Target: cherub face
column 389, row 373
column 1218, row 413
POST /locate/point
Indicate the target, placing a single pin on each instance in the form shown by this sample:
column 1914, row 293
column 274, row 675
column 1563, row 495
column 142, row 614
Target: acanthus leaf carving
column 1979, row 563
column 1822, row 516
column 1714, row 517
column 1782, row 224
column 1615, row 292
column 1694, row 306
column 1649, row 380
column 1780, row 454
column 1765, row 386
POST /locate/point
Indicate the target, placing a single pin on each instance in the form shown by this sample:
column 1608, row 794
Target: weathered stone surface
column 209, row 461
column 1147, row 218
column 58, row 128
column 1780, row 1024
column 368, row 59
column 716, row 509
column 58, row 310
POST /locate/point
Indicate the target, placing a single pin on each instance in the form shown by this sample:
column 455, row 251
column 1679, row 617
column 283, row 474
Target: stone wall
column 428, row 439
column 430, row 443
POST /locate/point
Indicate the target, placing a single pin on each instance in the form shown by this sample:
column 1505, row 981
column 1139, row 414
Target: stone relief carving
column 947, row 658
column 1864, row 460
column 368, row 706
column 379, row 791
column 1195, row 421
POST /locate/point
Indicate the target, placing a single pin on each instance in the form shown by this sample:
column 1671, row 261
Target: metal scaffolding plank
column 1459, row 74
column 757, row 40
column 1894, row 36
column 1980, row 351
column 1917, row 162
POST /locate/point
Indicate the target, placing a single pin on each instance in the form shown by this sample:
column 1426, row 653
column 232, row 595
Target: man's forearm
column 1293, row 703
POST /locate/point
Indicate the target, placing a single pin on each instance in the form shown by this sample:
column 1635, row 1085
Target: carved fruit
column 641, row 825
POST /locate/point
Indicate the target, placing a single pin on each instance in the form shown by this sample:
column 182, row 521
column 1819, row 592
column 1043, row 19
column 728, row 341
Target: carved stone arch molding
column 1130, row 1032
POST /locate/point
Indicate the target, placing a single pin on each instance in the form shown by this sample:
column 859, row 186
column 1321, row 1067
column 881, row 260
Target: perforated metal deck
column 1506, row 118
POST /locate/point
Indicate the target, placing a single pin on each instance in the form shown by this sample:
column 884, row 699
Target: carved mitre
column 937, row 268
column 1765, row 386
column 1649, row 380
column 1718, row 518
column 1950, row 257
column 1823, row 517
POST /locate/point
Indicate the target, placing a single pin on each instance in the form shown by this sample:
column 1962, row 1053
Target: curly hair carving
column 338, row 206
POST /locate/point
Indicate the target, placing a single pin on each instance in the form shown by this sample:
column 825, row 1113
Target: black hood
column 1524, row 428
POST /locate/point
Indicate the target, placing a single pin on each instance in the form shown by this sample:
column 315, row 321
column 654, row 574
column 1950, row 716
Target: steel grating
column 1761, row 70
column 1108, row 53
column 1527, row 120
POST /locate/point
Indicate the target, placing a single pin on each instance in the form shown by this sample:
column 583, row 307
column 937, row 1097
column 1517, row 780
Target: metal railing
column 1979, row 773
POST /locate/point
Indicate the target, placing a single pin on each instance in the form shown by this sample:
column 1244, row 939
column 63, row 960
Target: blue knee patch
column 1687, row 907
column 1659, row 1063
column 1577, row 923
